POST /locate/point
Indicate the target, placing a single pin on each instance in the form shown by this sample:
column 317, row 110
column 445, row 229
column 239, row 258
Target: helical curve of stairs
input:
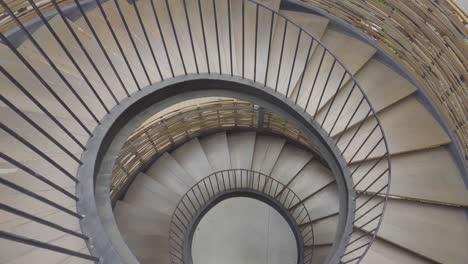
column 61, row 76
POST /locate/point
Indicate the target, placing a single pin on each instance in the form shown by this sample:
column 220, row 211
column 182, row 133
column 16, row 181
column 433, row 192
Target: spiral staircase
column 124, row 122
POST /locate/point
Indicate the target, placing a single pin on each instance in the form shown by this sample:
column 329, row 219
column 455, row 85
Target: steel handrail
column 201, row 196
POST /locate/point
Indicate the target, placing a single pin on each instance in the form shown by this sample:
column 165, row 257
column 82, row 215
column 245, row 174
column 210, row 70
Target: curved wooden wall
column 428, row 37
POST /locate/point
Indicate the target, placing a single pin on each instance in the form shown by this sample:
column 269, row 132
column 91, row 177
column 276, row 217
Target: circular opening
column 243, row 230
column 96, row 175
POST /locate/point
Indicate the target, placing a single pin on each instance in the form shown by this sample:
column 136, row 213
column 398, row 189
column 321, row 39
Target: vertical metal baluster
column 36, row 175
column 256, row 42
column 196, row 198
column 368, row 171
column 315, row 79
column 206, row 188
column 229, row 179
column 158, row 24
column 243, row 39
column 363, row 143
column 44, row 245
column 101, row 46
column 281, row 53
column 342, row 108
column 241, row 176
column 186, row 208
column 190, row 35
column 235, row 178
column 52, row 64
column 224, row 182
column 143, row 28
column 132, row 41
column 83, row 49
column 324, row 89
column 305, row 69
column 203, row 196
column 211, row 184
column 204, row 36
column 34, row 100
column 370, row 152
column 269, row 47
column 217, row 181
column 230, row 37
column 39, row 128
column 175, row 35
column 294, row 61
column 69, row 56
column 116, row 40
column 351, row 119
column 217, row 37
column 38, row 197
column 37, row 151
column 334, row 97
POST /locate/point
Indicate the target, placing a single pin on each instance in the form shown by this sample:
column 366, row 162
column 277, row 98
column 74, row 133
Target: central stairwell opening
column 243, row 230
column 179, row 158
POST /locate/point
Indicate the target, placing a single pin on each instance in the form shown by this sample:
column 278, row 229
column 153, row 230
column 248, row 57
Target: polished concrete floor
column 243, row 231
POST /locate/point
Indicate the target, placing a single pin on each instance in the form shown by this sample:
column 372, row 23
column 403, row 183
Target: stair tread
column 422, row 228
column 129, row 12
column 386, row 253
column 115, row 20
column 104, row 34
column 425, row 174
column 323, row 203
column 313, row 177
column 313, row 24
column 382, row 86
column 140, row 194
column 76, row 260
column 217, row 151
column 26, row 78
column 92, row 47
column 246, row 59
column 148, row 183
column 58, row 55
column 32, row 206
column 137, row 220
column 408, row 126
column 169, row 173
column 40, row 232
column 241, row 149
column 31, row 134
column 266, row 152
column 173, row 65
column 339, row 44
column 290, row 162
column 325, row 230
column 193, row 159
column 321, row 254
column 31, row 254
column 149, row 247
column 33, row 161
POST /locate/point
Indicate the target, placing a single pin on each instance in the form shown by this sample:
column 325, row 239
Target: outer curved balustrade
column 247, row 32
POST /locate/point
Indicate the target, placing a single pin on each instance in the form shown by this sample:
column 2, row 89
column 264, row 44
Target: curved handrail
column 206, row 193
column 366, row 180
column 158, row 136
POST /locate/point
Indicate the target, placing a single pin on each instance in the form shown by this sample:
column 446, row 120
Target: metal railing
column 237, row 39
column 233, row 183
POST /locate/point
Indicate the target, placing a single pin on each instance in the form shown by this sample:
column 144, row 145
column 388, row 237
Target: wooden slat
column 427, row 37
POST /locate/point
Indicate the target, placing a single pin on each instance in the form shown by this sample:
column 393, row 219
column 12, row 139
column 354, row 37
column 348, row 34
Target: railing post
column 261, row 116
